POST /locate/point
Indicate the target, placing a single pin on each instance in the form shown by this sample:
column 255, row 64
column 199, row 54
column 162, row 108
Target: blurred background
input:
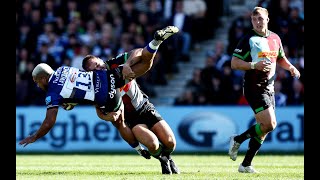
column 191, row 82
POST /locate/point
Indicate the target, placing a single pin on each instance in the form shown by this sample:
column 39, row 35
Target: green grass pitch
column 130, row 166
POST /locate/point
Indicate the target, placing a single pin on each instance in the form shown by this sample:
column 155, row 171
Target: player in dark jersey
column 257, row 53
column 141, row 116
column 100, row 88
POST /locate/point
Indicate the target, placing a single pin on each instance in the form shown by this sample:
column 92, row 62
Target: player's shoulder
column 273, row 34
column 116, row 61
column 248, row 35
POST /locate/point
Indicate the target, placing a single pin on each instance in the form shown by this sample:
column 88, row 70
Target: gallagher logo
column 206, row 129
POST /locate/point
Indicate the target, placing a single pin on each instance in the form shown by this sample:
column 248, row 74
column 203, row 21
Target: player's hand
column 294, row 72
column 108, row 116
column 27, row 140
column 264, row 65
column 127, row 72
column 68, row 106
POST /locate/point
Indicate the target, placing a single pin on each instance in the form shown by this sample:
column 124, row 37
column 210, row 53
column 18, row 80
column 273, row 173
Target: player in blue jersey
column 140, row 114
column 99, row 88
column 258, row 53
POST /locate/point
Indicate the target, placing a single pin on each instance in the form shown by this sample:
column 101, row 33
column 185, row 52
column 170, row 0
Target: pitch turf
column 127, row 167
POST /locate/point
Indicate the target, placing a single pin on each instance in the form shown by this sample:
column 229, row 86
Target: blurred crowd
column 62, row 32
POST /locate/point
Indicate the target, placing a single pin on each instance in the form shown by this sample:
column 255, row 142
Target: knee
column 153, row 146
column 271, row 126
column 170, row 143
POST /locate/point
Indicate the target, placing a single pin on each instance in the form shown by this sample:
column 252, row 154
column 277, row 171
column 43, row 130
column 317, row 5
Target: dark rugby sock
column 153, row 46
column 134, row 144
column 157, row 154
column 166, row 152
column 253, row 131
column 254, row 146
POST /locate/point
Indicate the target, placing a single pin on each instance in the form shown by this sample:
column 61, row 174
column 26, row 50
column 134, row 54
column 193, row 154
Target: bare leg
column 129, row 137
column 141, row 62
column 147, row 138
column 150, row 140
column 125, row 132
column 165, row 134
column 267, row 120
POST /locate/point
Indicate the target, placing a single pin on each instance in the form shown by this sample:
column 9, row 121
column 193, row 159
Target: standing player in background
column 258, row 53
column 141, row 116
column 99, row 88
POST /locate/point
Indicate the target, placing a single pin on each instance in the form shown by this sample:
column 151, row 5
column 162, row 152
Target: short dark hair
column 85, row 61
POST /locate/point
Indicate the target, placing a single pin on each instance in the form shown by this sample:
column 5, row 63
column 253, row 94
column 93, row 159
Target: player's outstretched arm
column 68, row 106
column 285, row 64
column 45, row 127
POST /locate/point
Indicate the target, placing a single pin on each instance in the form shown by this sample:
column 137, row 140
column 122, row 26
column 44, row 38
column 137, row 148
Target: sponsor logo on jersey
column 112, row 86
column 48, row 100
column 61, row 75
column 265, row 54
column 97, row 86
column 238, row 50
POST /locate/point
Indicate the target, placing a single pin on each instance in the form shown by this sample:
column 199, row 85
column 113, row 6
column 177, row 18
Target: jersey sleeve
column 242, row 51
column 52, row 100
column 115, row 62
column 281, row 53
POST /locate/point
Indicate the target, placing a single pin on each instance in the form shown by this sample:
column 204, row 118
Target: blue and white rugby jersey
column 72, row 85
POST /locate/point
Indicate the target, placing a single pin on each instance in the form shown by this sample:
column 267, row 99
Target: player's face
column 95, row 64
column 260, row 22
column 41, row 83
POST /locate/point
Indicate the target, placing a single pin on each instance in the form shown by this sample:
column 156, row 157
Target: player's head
column 260, row 19
column 41, row 74
column 90, row 63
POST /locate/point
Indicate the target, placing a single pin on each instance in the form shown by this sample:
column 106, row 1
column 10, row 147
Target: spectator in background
column 196, row 9
column 186, row 98
column 229, row 93
column 43, row 56
column 280, row 98
column 296, row 97
column 21, row 95
column 214, row 92
column 295, row 25
column 220, row 54
column 210, row 70
column 238, row 28
column 182, row 41
column 195, row 83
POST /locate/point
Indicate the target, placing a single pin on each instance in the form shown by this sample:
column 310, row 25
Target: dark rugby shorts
column 260, row 101
column 147, row 115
